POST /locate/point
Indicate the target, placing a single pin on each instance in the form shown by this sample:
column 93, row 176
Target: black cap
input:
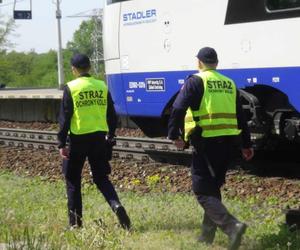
column 80, row 61
column 207, row 55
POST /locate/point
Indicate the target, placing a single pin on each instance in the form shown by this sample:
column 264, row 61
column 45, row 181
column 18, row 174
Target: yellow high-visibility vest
column 90, row 105
column 217, row 112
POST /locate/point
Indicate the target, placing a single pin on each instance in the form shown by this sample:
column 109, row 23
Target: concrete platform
column 22, row 93
column 23, row 104
column 42, row 105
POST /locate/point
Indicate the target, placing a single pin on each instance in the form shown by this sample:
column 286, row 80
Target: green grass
column 33, row 216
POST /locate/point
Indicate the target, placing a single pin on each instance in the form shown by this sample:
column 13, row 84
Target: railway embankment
column 145, row 176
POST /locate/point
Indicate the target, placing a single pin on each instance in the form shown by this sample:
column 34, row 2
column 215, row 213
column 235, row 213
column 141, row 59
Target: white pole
column 59, row 51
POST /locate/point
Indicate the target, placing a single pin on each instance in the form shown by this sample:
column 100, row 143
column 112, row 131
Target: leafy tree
column 88, row 40
column 44, row 69
column 5, row 72
column 29, row 69
column 67, row 55
column 6, row 28
column 82, row 42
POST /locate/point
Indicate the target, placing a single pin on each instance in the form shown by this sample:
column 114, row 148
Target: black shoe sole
column 123, row 217
column 206, row 239
column 236, row 242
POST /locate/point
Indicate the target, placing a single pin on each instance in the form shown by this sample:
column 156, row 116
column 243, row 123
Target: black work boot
column 208, row 235
column 235, row 236
column 122, row 216
column 208, row 230
column 75, row 220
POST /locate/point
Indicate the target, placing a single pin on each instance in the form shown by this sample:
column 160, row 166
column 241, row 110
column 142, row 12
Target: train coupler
column 292, row 129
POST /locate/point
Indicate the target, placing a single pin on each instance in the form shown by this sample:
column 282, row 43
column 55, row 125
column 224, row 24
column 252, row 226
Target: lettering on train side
column 139, row 17
column 155, row 84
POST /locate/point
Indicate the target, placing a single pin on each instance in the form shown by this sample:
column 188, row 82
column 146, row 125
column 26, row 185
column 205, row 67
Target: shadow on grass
column 284, row 239
column 168, row 226
column 274, row 164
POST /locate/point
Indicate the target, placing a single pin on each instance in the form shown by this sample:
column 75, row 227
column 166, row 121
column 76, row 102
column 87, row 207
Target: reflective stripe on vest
column 217, row 112
column 90, row 105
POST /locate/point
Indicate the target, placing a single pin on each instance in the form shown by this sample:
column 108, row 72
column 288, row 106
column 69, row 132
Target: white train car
column 150, row 48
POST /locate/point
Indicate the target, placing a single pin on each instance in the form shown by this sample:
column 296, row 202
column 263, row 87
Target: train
column 150, row 48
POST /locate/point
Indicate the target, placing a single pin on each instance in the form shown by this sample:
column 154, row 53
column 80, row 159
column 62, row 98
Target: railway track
column 144, row 149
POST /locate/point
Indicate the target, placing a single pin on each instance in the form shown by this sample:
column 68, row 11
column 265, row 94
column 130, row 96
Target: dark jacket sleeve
column 64, row 118
column 190, row 95
column 111, row 116
column 176, row 124
column 242, row 123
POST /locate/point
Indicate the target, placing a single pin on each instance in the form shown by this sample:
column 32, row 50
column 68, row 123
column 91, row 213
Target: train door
column 141, row 56
column 156, row 49
column 111, row 47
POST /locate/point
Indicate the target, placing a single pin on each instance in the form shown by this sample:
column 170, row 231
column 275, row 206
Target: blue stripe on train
column 147, row 93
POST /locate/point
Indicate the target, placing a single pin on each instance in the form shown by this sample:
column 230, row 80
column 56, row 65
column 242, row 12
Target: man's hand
column 111, row 141
column 64, row 153
column 247, row 153
column 179, row 143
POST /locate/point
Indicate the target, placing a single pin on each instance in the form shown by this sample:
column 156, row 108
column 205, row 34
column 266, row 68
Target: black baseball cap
column 80, row 61
column 207, row 55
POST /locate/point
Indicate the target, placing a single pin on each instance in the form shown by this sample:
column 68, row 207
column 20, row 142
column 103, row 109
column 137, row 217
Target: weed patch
column 33, row 216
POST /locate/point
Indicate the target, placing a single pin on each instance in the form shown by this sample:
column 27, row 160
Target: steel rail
column 132, row 142
column 27, row 133
column 145, row 149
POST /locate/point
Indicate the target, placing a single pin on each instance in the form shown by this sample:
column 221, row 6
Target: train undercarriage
column 273, row 121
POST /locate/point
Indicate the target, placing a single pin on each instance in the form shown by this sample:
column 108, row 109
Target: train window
column 282, row 5
column 115, row 1
column 243, row 11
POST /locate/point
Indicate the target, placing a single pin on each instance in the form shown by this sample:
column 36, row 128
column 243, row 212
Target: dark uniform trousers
column 216, row 153
column 94, row 149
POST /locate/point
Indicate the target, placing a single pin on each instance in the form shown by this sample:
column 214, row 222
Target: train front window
column 115, row 1
column 282, row 5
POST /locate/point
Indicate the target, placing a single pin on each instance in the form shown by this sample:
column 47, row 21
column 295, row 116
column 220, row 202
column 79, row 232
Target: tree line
column 31, row 69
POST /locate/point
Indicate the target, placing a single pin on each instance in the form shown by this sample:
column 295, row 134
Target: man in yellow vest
column 88, row 116
column 214, row 123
